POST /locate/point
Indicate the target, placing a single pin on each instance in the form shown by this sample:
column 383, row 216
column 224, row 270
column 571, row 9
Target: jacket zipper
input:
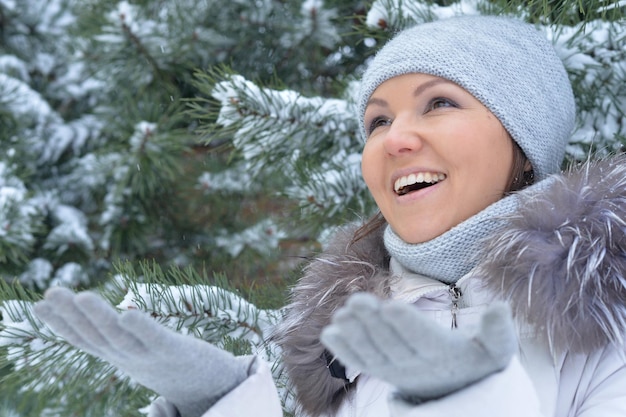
column 455, row 294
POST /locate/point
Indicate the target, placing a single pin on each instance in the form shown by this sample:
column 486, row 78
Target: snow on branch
column 17, row 212
column 271, row 126
column 595, row 58
column 206, row 311
column 262, row 237
column 333, row 188
column 315, row 142
column 317, row 25
column 399, row 14
column 24, row 102
column 233, row 180
column 57, row 138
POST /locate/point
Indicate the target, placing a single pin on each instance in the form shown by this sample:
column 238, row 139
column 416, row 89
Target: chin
column 418, row 238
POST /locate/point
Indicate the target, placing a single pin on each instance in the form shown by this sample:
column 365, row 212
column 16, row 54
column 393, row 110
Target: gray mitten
column 190, row 373
column 397, row 343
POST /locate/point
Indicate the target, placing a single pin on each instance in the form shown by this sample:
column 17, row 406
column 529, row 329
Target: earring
column 529, row 177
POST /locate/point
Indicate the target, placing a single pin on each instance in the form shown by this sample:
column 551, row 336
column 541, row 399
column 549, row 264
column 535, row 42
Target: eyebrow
column 429, row 84
column 419, row 90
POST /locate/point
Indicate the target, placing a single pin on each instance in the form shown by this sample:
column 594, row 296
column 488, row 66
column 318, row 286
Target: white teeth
column 421, row 177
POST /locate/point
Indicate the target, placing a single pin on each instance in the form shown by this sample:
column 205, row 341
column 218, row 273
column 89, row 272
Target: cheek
column 496, row 168
column 485, row 159
column 369, row 167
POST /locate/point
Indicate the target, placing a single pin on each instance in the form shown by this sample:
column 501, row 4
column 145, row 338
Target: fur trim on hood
column 561, row 264
column 328, row 281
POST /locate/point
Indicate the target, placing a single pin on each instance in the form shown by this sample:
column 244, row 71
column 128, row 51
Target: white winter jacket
column 535, row 384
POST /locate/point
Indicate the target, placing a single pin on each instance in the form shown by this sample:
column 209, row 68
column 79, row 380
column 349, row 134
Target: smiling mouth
column 416, row 182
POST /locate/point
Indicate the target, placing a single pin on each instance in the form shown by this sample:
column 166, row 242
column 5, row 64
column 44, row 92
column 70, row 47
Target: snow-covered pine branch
column 332, row 189
column 50, row 370
column 313, row 142
column 19, row 218
column 595, row 56
column 274, row 128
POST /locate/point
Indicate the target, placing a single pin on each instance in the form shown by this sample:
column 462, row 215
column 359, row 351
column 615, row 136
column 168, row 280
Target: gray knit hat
column 506, row 64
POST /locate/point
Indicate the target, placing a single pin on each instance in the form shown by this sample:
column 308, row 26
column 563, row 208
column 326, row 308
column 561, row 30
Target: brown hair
column 519, row 179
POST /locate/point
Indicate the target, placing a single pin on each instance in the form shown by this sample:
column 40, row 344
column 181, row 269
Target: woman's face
column 434, row 156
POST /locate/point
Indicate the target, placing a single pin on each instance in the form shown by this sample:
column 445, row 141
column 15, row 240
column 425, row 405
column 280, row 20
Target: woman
column 466, row 122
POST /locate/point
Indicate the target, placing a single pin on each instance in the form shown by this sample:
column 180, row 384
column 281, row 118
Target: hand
column 397, row 343
column 190, row 373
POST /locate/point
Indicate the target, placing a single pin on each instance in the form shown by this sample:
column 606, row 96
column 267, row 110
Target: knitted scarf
column 453, row 254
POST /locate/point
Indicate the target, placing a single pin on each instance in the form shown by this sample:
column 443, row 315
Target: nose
column 402, row 137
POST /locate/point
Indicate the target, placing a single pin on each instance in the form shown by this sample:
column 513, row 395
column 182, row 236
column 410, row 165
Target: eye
column 440, row 102
column 376, row 123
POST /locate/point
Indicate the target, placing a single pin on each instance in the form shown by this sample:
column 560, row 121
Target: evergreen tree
column 201, row 135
